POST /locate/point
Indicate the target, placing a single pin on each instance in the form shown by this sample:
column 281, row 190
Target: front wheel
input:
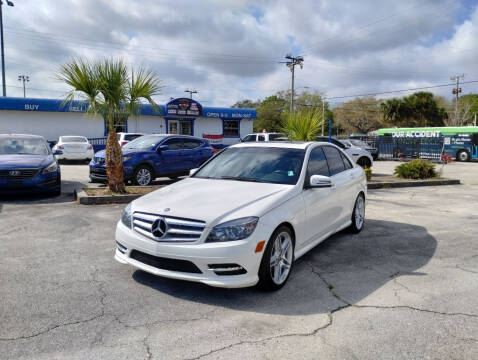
column 277, row 260
column 358, row 215
column 143, row 176
column 463, row 155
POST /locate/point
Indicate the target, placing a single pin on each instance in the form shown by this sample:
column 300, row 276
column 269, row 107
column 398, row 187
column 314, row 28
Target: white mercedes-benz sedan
column 245, row 216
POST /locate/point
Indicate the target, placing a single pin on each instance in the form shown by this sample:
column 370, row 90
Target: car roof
column 281, row 144
column 25, row 136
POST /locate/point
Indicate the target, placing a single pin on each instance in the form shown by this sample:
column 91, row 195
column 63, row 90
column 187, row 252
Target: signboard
column 213, row 139
column 184, row 106
column 416, row 134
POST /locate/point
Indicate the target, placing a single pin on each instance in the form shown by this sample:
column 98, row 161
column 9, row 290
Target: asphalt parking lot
column 405, row 288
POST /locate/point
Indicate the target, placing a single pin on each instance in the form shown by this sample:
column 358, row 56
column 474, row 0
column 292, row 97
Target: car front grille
column 18, row 174
column 165, row 263
column 99, row 160
column 166, row 228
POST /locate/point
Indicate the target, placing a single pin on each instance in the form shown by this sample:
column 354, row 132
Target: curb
column 416, row 183
column 83, row 199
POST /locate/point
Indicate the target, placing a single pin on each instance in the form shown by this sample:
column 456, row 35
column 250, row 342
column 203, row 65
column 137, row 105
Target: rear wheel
column 277, row 260
column 463, row 155
column 358, row 215
column 364, row 162
column 143, row 175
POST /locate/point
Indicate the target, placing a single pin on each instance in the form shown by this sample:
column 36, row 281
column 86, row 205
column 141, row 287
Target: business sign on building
column 184, row 106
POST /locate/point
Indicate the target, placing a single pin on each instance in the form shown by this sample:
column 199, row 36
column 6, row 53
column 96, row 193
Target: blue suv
column 152, row 156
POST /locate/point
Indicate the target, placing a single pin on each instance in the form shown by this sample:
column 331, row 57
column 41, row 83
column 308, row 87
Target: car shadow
column 351, row 266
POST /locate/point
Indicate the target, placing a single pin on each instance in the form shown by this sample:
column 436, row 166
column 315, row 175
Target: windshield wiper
column 241, row 178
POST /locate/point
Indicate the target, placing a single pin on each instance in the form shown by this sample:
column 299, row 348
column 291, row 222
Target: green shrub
column 416, row 169
column 368, row 173
column 303, row 125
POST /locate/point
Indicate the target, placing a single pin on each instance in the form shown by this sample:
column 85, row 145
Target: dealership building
column 52, row 118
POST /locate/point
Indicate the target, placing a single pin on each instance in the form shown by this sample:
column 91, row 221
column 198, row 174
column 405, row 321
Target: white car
column 124, row 138
column 74, row 148
column 272, row 136
column 360, row 156
column 245, row 216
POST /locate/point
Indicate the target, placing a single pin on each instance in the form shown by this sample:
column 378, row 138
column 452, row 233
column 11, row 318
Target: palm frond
column 303, row 125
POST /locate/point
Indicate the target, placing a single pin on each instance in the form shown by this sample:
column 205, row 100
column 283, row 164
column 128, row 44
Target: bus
column 460, row 143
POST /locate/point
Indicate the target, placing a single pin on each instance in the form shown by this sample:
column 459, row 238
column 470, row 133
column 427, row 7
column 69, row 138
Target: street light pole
column 24, row 79
column 4, row 85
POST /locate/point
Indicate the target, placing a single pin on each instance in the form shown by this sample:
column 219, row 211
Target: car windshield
column 23, row 146
column 73, row 139
column 144, row 142
column 359, row 143
column 255, row 164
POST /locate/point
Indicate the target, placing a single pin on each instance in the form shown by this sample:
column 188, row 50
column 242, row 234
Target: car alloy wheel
column 359, row 213
column 281, row 258
column 143, row 177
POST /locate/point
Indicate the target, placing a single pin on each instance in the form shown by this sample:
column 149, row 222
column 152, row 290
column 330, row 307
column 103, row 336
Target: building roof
column 58, row 105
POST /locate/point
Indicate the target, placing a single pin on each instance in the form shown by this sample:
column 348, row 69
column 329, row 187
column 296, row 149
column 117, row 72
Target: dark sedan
column 27, row 165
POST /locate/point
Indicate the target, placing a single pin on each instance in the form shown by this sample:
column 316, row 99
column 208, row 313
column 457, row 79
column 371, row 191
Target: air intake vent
column 165, row 263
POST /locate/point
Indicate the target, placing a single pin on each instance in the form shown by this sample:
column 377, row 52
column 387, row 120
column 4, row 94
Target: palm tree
column 303, row 125
column 115, row 95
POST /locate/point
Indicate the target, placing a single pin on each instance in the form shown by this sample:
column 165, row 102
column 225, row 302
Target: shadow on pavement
column 355, row 265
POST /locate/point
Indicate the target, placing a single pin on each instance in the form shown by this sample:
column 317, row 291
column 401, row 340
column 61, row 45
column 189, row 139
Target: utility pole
column 4, row 85
column 191, row 92
column 456, row 91
column 24, row 79
column 291, row 64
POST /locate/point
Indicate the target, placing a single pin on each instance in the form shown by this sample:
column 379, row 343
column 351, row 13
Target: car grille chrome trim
column 18, row 174
column 177, row 229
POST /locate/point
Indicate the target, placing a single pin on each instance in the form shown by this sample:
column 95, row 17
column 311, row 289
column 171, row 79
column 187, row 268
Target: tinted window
column 274, row 137
column 144, row 142
column 271, row 165
column 231, row 128
column 131, row 137
column 338, row 143
column 334, row 160
column 23, row 146
column 261, row 138
column 174, row 144
column 317, row 163
column 73, row 139
column 347, row 163
column 249, row 138
column 191, row 143
column 334, row 141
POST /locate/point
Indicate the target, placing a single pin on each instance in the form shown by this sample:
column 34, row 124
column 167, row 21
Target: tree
column 360, row 115
column 467, row 108
column 417, row 110
column 115, row 95
column 270, row 114
column 247, row 104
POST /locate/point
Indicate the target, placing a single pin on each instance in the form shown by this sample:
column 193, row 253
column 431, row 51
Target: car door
column 193, row 155
column 320, row 207
column 171, row 160
column 341, row 178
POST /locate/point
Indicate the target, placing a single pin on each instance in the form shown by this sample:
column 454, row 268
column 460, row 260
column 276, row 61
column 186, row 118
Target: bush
column 368, row 173
column 303, row 125
column 416, row 169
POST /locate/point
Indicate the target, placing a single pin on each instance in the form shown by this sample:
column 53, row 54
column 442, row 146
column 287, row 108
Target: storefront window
column 186, row 128
column 231, row 128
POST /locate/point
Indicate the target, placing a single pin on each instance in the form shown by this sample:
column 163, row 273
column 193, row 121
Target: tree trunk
column 114, row 163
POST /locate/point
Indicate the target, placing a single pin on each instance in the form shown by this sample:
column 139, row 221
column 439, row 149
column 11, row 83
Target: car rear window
column 73, row 139
column 132, row 137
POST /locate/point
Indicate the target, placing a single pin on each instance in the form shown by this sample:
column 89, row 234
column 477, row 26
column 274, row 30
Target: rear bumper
column 75, row 155
column 41, row 183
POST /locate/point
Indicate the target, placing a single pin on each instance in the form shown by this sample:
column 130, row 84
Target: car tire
column 463, row 155
column 272, row 275
column 364, row 162
column 358, row 215
column 143, row 175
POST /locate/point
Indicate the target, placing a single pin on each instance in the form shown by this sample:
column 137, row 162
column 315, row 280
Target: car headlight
column 126, row 158
column 50, row 168
column 126, row 217
column 233, row 230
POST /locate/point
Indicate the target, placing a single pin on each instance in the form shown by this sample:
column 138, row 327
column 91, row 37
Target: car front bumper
column 41, row 183
column 202, row 255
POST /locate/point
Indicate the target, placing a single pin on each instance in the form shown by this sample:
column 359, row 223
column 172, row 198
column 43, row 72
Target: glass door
column 186, row 128
column 173, row 127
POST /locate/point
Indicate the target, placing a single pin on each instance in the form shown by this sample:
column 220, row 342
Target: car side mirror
column 192, row 171
column 161, row 148
column 58, row 152
column 320, row 181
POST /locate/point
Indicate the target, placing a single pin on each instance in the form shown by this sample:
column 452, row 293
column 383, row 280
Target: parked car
column 272, row 136
column 74, row 148
column 360, row 156
column 152, row 156
column 124, row 138
column 245, row 216
column 27, row 165
column 353, row 143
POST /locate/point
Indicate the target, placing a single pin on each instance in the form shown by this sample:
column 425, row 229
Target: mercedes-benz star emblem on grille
column 159, row 228
column 14, row 173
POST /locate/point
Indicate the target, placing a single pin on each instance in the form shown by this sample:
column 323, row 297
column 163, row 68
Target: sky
column 230, row 50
